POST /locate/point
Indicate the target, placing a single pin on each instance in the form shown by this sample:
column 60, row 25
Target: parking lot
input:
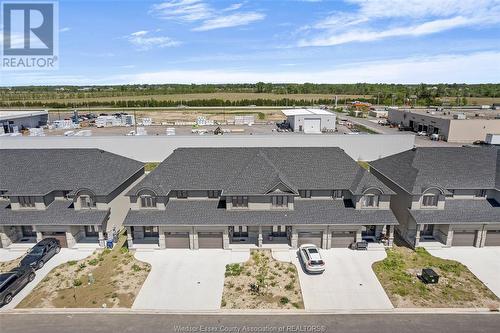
column 62, row 257
column 183, row 279
column 348, row 282
column 483, row 262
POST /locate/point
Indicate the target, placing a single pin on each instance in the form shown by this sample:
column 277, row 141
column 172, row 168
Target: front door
column 427, row 230
column 151, row 232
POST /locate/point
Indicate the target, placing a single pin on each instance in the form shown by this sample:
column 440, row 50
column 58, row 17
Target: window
column 305, row 193
column 86, row 201
column 240, row 231
column 280, row 201
column 91, row 231
column 279, row 231
column 182, row 194
column 480, row 193
column 28, row 231
column 240, row 202
column 213, row 194
column 151, row 232
column 370, row 200
column 337, row 194
column 430, row 200
column 27, row 202
column 148, row 201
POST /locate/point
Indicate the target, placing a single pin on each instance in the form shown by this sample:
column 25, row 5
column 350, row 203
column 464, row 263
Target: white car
column 311, row 258
column 422, row 133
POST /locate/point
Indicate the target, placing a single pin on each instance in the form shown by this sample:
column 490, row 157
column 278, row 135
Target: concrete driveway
column 348, row 282
column 483, row 262
column 62, row 257
column 182, row 279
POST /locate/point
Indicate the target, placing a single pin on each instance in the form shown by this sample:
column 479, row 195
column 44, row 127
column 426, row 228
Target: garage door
column 61, row 236
column 315, row 238
column 463, row 238
column 343, row 238
column 312, row 125
column 492, row 238
column 210, row 240
column 177, row 240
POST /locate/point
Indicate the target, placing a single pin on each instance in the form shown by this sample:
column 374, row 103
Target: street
column 267, row 322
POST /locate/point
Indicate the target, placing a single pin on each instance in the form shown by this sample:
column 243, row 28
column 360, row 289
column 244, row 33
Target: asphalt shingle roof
column 211, row 212
column 444, row 167
column 40, row 171
column 460, row 211
column 59, row 212
column 256, row 170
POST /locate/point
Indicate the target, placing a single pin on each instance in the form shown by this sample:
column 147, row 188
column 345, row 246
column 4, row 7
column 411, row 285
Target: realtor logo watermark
column 30, row 35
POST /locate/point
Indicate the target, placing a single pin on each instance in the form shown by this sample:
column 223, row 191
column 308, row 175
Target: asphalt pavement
column 268, row 322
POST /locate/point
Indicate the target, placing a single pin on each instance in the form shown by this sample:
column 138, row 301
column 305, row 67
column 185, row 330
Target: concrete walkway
column 348, row 282
column 483, row 262
column 8, row 255
column 182, row 279
column 62, row 257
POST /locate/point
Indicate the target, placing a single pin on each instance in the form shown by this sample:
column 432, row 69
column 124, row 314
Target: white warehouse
column 310, row 120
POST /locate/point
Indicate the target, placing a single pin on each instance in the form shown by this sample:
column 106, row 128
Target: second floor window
column 148, row 201
column 86, row 201
column 430, row 200
column 305, row 193
column 27, row 202
column 337, row 194
column 370, row 200
column 480, row 193
column 240, row 202
column 213, row 194
column 280, row 201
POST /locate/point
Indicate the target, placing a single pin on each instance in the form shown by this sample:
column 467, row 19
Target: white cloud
column 232, row 20
column 399, row 18
column 65, row 29
column 143, row 40
column 468, row 68
column 209, row 18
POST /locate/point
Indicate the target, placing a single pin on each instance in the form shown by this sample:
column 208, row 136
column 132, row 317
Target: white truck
column 492, row 139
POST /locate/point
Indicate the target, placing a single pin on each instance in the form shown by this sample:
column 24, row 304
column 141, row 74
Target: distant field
column 476, row 100
column 189, row 97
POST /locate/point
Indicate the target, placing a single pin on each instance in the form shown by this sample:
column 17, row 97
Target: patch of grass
column 72, row 262
column 93, row 262
column 457, row 286
column 77, row 282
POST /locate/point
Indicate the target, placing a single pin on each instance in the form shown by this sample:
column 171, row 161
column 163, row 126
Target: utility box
column 429, row 276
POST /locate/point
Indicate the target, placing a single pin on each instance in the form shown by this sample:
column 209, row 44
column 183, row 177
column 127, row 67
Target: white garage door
column 312, row 125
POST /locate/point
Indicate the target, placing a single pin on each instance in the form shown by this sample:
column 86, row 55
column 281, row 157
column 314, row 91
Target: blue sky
column 328, row 41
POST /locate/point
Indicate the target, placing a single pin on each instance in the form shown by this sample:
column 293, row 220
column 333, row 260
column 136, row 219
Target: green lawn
column 457, row 286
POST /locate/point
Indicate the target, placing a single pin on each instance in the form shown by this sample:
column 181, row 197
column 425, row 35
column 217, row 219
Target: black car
column 13, row 282
column 41, row 253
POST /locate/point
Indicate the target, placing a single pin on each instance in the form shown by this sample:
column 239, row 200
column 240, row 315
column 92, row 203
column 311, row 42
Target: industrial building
column 310, row 120
column 454, row 125
column 13, row 121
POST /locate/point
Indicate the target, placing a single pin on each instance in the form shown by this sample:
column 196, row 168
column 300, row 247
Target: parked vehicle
column 39, row 254
column 405, row 128
column 13, row 282
column 311, row 258
column 434, row 137
column 422, row 133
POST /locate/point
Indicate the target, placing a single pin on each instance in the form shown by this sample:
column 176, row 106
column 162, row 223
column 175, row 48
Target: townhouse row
column 252, row 197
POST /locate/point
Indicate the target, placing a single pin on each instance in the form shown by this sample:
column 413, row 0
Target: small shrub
column 57, row 274
column 124, row 250
column 136, row 268
column 284, row 300
column 233, row 269
column 223, row 303
column 93, row 262
column 296, row 305
column 106, row 251
column 77, row 282
column 290, row 270
column 289, row 286
column 72, row 262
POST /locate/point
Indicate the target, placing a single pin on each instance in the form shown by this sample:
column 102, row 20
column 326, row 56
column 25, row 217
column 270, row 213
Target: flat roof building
column 310, row 120
column 10, row 119
column 452, row 125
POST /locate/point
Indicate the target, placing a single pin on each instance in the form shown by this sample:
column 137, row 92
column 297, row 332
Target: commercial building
column 12, row 121
column 310, row 120
column 452, row 125
column 447, row 195
column 61, row 193
column 258, row 197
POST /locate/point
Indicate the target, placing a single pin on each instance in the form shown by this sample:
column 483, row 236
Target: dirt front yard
column 457, row 286
column 262, row 283
column 6, row 266
column 108, row 278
